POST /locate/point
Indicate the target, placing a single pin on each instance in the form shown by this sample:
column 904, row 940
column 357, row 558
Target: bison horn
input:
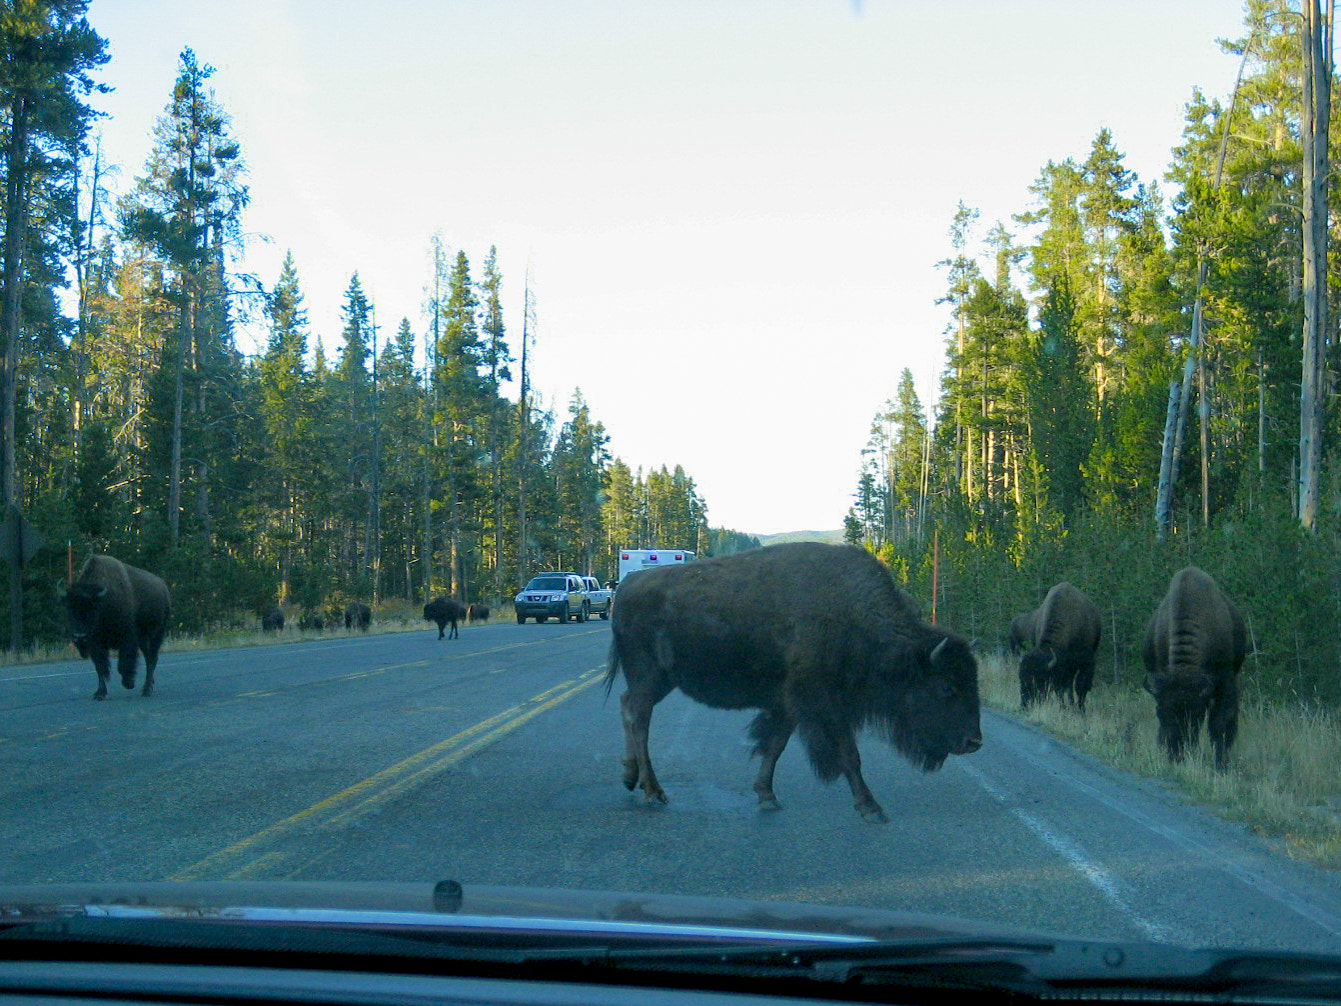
column 936, row 653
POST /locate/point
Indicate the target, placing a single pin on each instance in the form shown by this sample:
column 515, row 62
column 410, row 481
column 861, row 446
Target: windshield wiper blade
column 1029, row 967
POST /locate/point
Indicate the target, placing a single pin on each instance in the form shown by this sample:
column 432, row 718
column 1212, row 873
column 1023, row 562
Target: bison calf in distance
column 115, row 606
column 817, row 637
column 272, row 622
column 359, row 615
column 477, row 612
column 443, row 610
column 1194, row 646
column 1065, row 633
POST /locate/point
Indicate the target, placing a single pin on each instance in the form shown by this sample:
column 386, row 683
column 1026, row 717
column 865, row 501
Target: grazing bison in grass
column 814, row 636
column 1194, row 646
column 1065, row 637
column 477, row 612
column 443, row 610
column 310, row 621
column 116, row 606
column 273, row 622
column 1021, row 636
column 358, row 615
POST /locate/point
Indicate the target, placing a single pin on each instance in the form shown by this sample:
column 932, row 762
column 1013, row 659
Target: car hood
column 479, row 907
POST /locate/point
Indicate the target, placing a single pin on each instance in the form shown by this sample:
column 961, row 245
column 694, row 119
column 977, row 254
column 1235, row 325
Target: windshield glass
column 548, row 583
column 969, row 368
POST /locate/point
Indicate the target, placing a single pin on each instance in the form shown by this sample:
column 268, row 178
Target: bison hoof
column 769, row 803
column 146, row 691
column 657, row 796
column 873, row 815
column 630, row 773
column 100, row 696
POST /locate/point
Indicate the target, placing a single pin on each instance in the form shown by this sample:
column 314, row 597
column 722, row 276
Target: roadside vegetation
column 1134, row 384
column 1282, row 781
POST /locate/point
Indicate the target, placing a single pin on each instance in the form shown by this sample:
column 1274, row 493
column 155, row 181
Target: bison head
column 1036, row 676
column 1180, row 704
column 83, row 605
column 935, row 713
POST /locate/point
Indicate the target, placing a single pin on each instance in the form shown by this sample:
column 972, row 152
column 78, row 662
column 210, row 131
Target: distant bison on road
column 1194, row 646
column 1060, row 658
column 358, row 615
column 817, row 637
column 115, row 606
column 443, row 610
column 273, row 622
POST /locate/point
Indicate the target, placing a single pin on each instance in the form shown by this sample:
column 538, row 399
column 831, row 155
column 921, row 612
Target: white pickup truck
column 598, row 596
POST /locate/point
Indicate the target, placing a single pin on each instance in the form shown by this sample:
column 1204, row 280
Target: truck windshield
column 548, row 583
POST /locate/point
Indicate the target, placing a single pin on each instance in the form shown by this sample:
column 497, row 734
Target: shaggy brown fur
column 816, row 637
column 1066, row 629
column 358, row 614
column 443, row 610
column 115, row 606
column 1021, row 636
column 1194, row 646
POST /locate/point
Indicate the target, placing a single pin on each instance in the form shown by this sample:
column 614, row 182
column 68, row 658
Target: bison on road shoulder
column 1064, row 639
column 272, row 622
column 1194, row 646
column 443, row 610
column 1021, row 636
column 814, row 636
column 358, row 615
column 115, row 606
column 477, row 612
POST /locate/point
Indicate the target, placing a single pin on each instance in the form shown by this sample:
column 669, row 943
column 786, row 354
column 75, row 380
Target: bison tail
column 611, row 668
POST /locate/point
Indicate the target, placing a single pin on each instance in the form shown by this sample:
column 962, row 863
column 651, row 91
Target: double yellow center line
column 258, row 852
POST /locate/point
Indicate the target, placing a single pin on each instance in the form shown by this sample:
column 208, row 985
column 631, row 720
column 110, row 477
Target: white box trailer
column 635, row 560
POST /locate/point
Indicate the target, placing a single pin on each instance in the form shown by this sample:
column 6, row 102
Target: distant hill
column 834, row 537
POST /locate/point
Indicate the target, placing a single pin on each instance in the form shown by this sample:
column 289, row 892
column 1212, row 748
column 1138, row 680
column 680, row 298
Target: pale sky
column 732, row 211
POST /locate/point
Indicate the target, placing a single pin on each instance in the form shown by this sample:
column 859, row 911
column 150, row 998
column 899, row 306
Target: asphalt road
column 494, row 759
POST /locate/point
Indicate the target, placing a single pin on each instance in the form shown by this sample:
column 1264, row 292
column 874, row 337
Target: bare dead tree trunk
column 16, row 217
column 1317, row 41
column 523, row 423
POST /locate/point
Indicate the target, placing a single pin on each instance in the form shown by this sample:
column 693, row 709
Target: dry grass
column 1283, row 779
column 394, row 616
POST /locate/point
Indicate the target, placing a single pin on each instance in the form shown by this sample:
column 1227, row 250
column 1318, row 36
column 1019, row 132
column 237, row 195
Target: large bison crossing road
column 494, row 759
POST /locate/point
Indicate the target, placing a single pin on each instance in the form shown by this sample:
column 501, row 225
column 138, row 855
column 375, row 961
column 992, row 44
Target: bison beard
column 116, row 606
column 817, row 638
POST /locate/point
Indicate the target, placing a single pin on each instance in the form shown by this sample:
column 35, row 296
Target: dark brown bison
column 1060, row 661
column 358, row 615
column 814, row 636
column 116, row 606
column 477, row 612
column 1194, row 646
column 273, row 622
column 1021, row 636
column 310, row 621
column 443, row 610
